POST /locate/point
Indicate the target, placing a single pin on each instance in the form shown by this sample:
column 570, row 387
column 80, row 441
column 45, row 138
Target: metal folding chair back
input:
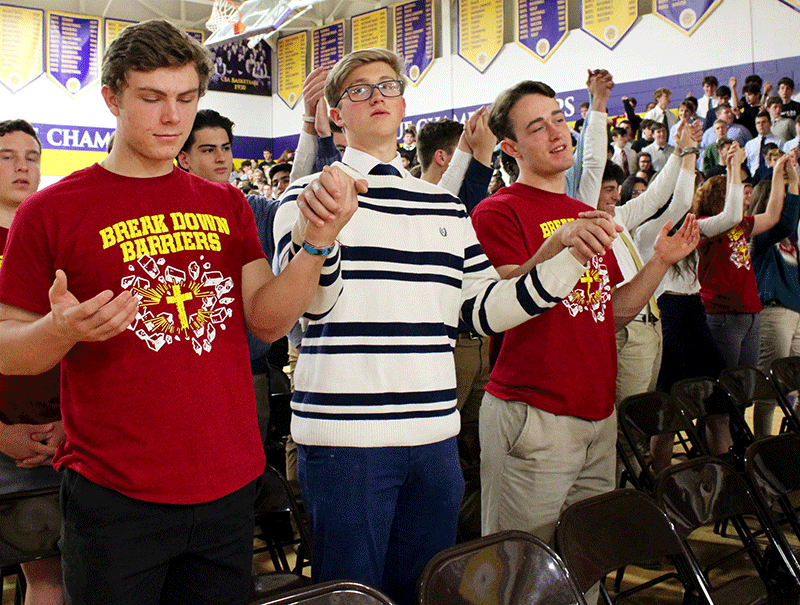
column 501, row 569
column 625, row 527
column 330, row 593
column 706, row 491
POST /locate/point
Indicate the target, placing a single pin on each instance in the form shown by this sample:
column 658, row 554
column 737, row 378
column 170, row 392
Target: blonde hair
column 334, row 83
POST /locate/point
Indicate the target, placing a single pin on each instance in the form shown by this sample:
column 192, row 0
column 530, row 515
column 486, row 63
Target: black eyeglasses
column 363, row 92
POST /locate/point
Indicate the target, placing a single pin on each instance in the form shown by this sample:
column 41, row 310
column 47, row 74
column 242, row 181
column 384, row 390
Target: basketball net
column 222, row 13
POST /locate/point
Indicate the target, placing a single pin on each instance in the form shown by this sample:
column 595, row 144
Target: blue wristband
column 311, row 249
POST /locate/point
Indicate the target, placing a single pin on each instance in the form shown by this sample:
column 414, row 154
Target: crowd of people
column 481, row 293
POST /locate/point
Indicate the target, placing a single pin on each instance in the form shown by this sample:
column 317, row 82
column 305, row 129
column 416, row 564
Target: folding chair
column 749, row 386
column 652, row 414
column 703, row 397
column 505, row 568
column 329, row 593
column 772, row 465
column 625, row 527
column 30, row 527
column 274, row 508
column 707, row 491
column 785, row 375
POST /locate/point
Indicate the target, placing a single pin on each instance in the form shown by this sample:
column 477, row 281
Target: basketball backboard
column 260, row 18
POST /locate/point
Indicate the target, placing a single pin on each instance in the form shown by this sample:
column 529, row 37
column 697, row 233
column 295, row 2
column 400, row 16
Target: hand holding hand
column 591, row 233
column 328, row 202
column 479, row 137
column 599, row 84
column 313, row 90
column 23, row 442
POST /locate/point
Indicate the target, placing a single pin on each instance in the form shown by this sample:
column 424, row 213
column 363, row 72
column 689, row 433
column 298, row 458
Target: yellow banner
column 480, row 31
column 112, row 29
column 608, row 20
column 369, row 30
column 291, row 67
column 21, row 46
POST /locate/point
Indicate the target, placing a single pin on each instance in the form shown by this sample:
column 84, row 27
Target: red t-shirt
column 28, row 399
column 165, row 411
column 563, row 361
column 725, row 272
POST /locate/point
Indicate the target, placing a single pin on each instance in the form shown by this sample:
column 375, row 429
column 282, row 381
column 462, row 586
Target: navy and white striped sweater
column 376, row 364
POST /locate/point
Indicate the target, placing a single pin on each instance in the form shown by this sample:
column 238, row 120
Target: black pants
column 118, row 550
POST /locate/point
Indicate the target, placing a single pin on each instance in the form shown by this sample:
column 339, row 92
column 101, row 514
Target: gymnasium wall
column 738, row 38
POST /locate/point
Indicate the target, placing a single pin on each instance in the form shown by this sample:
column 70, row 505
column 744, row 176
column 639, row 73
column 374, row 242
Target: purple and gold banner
column 608, row 20
column 541, row 26
column 327, row 45
column 197, row 34
column 112, row 29
column 413, row 37
column 368, row 30
column 22, row 44
column 241, row 69
column 480, row 31
column 73, row 51
column 684, row 15
column 291, row 67
column 795, row 4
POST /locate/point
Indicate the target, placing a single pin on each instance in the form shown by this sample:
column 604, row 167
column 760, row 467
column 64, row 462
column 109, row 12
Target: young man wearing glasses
column 374, row 410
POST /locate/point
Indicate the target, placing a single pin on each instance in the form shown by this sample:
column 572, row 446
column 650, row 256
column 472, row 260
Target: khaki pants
column 535, row 464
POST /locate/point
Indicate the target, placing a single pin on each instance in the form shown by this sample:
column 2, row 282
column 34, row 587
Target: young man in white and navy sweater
column 375, row 389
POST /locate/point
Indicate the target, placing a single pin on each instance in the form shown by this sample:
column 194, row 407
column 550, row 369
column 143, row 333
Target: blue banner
column 413, row 37
column 541, row 26
column 73, row 51
column 684, row 15
column 327, row 44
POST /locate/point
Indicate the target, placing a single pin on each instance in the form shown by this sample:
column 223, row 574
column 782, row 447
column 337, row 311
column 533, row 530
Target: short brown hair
column 149, row 46
column 9, row 126
column 499, row 120
column 354, row 60
column 661, row 91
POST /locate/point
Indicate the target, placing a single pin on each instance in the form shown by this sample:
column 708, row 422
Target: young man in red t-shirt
column 547, row 422
column 139, row 278
column 30, row 422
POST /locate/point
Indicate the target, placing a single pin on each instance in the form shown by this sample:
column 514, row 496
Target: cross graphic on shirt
column 588, row 279
column 178, row 299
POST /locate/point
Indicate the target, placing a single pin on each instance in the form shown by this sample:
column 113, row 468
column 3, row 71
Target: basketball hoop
column 224, row 12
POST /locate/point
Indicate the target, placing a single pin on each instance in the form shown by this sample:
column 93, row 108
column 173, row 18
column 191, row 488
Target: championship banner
column 413, row 37
column 541, row 26
column 73, row 51
column 368, row 30
column 684, row 15
column 197, row 34
column 291, row 67
column 327, row 45
column 22, row 44
column 795, row 4
column 112, row 29
column 608, row 20
column 241, row 69
column 480, row 31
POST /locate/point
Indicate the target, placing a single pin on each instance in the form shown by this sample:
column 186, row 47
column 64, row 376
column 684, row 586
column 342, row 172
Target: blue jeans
column 736, row 336
column 377, row 515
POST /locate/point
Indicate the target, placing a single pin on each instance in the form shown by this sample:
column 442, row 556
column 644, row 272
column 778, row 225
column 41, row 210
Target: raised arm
column 639, row 209
column 733, row 211
column 304, row 155
column 585, row 177
column 772, row 214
